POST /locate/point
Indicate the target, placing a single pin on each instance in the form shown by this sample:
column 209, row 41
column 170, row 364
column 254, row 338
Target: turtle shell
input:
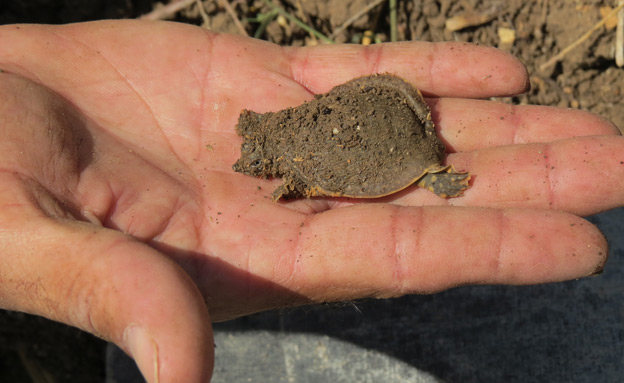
column 369, row 137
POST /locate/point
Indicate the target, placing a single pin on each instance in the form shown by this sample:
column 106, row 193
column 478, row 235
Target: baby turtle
column 367, row 138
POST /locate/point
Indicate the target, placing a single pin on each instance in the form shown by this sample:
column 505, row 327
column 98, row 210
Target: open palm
column 117, row 151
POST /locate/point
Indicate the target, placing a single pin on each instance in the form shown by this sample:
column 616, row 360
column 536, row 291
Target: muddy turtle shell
column 367, row 138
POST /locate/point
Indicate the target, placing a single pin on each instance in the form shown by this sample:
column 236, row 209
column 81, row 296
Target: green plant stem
column 266, row 19
column 300, row 23
column 393, row 20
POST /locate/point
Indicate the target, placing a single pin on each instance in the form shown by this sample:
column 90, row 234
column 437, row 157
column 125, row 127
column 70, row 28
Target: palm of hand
column 153, row 141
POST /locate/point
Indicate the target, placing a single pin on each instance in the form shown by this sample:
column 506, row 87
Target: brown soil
column 367, row 138
column 586, row 78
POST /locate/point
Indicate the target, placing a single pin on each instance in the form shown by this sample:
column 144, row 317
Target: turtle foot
column 289, row 189
column 446, row 184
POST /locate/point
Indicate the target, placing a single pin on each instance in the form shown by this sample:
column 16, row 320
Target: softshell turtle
column 367, row 138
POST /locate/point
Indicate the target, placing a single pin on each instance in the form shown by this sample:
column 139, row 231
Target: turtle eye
column 255, row 164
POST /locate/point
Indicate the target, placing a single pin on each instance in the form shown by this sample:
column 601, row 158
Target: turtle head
column 252, row 161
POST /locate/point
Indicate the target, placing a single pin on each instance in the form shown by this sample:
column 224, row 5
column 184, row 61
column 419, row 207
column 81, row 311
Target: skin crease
column 120, row 214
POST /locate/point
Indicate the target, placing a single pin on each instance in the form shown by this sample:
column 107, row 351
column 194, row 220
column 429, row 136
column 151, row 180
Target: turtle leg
column 447, row 183
column 281, row 191
column 288, row 189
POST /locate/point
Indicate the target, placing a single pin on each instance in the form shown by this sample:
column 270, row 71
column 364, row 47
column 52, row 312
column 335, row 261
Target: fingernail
column 143, row 350
column 597, row 271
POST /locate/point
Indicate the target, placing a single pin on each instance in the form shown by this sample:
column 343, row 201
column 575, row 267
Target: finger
column 103, row 282
column 476, row 124
column 440, row 69
column 582, row 176
column 579, row 175
column 384, row 250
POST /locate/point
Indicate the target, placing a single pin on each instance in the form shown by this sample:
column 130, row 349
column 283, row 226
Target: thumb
column 104, row 282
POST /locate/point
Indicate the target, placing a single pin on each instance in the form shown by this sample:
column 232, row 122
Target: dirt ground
column 586, row 78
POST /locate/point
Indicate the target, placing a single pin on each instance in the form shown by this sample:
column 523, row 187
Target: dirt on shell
column 367, row 138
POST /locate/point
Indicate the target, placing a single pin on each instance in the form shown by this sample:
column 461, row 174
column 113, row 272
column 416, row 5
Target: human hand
column 121, row 214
